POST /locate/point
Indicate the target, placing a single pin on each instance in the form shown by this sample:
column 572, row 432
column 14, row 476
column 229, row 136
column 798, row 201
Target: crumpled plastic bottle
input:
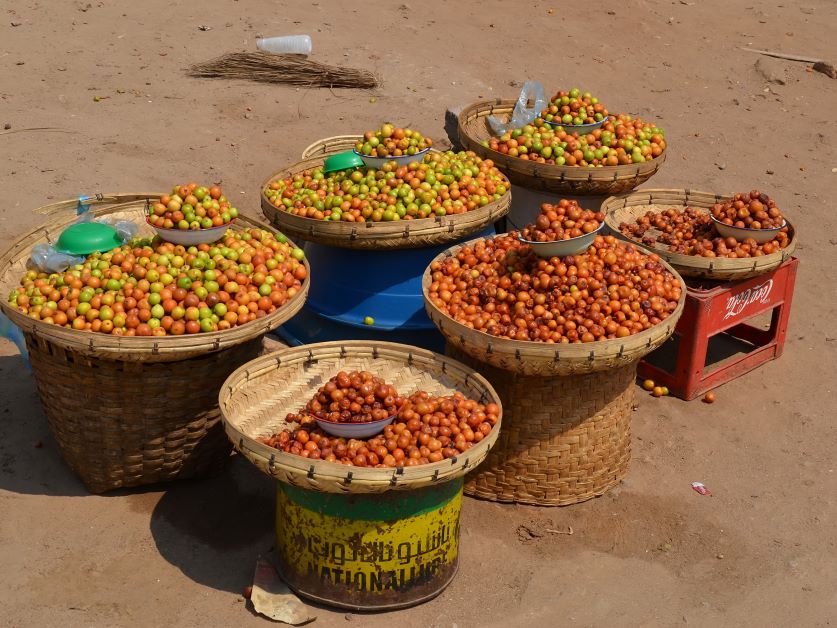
column 522, row 115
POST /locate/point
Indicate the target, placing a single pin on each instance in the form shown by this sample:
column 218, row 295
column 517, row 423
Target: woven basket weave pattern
column 473, row 129
column 564, row 439
column 628, row 208
column 256, row 399
column 124, row 411
column 122, row 424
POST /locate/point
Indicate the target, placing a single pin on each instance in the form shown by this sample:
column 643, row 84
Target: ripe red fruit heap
column 356, row 397
column 427, row 429
column 561, row 222
column 500, row 287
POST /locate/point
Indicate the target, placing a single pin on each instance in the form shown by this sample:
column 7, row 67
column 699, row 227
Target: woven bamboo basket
column 331, row 145
column 564, row 439
column 628, row 208
column 545, row 359
column 400, row 234
column 256, row 398
column 130, row 411
column 473, row 129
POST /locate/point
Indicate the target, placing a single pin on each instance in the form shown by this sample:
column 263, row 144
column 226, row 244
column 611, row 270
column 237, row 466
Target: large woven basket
column 256, row 398
column 564, row 439
column 380, row 235
column 628, row 208
column 473, row 129
column 545, row 359
column 130, row 411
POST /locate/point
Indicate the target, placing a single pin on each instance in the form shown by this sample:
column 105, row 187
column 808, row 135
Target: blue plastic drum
column 387, row 291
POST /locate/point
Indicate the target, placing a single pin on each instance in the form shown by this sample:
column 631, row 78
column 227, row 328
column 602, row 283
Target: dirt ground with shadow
column 652, row 552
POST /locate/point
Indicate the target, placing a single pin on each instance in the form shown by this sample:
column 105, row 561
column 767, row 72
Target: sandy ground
column 652, row 552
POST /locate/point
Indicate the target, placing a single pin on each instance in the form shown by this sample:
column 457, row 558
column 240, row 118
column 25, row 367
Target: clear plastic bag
column 522, row 114
column 48, row 260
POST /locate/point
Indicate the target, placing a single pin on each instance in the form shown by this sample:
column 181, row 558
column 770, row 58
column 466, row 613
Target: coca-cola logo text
column 756, row 294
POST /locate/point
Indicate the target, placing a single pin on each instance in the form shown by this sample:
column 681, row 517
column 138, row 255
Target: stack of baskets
column 388, row 258
column 130, row 411
column 567, row 408
column 355, row 537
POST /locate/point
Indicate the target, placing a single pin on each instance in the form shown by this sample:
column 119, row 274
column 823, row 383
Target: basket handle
column 81, row 204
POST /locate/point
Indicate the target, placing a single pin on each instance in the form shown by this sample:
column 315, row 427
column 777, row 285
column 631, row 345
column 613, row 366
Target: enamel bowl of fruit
column 351, row 405
column 575, row 112
column 391, row 144
column 191, row 214
column 752, row 215
column 562, row 229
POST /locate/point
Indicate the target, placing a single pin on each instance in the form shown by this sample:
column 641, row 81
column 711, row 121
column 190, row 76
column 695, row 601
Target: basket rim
column 145, row 348
column 717, row 267
column 353, row 234
column 336, row 473
column 312, row 149
column 604, row 174
column 570, row 353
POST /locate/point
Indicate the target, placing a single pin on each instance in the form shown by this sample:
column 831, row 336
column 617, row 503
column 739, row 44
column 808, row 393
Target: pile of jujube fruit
column 440, row 184
column 156, row 288
column 392, row 141
column 620, row 141
column 499, row 286
column 562, row 221
column 574, row 108
column 427, row 429
column 355, row 397
column 753, row 210
column 690, row 231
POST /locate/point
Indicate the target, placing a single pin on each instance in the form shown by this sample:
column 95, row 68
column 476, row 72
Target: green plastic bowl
column 85, row 238
column 342, row 161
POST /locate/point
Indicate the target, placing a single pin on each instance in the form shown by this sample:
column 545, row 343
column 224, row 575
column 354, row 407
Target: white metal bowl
column 403, row 160
column 581, row 129
column 741, row 233
column 192, row 237
column 562, row 248
column 354, row 430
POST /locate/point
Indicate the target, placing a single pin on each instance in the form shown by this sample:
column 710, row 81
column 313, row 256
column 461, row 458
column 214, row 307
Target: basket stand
column 565, row 439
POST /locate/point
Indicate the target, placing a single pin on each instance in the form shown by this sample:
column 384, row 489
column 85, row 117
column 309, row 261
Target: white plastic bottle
column 289, row 44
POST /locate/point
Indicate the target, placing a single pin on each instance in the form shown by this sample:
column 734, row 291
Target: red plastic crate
column 715, row 314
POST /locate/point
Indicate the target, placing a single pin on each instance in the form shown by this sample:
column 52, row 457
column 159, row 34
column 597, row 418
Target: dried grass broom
column 289, row 69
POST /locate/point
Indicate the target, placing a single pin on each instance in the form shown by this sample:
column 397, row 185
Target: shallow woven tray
column 256, row 398
column 564, row 439
column 473, row 129
column 628, row 208
column 13, row 263
column 402, row 234
column 545, row 359
column 331, row 145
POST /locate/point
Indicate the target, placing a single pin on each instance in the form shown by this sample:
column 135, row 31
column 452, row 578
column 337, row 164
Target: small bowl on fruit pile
column 351, row 405
column 391, row 144
column 191, row 215
column 752, row 215
column 575, row 112
column 562, row 229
